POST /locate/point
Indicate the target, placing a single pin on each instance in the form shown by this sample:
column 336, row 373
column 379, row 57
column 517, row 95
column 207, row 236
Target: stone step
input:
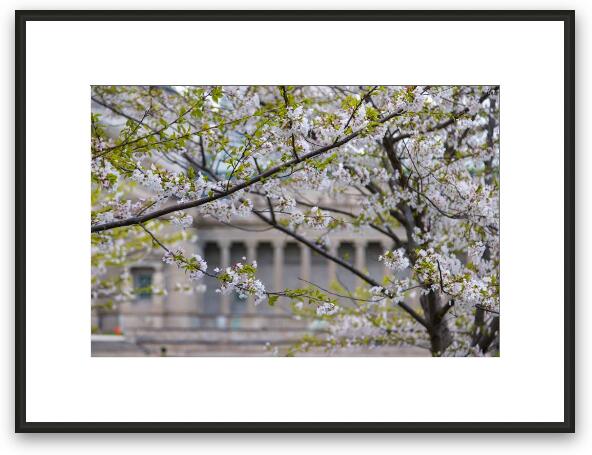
column 131, row 321
column 217, row 336
column 114, row 346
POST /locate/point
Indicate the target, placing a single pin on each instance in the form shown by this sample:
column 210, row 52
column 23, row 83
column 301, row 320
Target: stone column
column 278, row 267
column 158, row 282
column 123, row 309
column 332, row 266
column 278, row 264
column 181, row 308
column 198, row 296
column 304, row 263
column 360, row 261
column 225, row 262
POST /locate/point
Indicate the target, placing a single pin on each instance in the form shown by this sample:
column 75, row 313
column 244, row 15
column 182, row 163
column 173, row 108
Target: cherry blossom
column 417, row 164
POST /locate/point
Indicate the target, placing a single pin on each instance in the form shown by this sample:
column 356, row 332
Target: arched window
column 238, row 251
column 142, row 281
column 265, row 272
column 346, row 279
column 211, row 299
column 375, row 268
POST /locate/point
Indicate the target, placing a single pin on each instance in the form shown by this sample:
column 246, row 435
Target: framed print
column 365, row 232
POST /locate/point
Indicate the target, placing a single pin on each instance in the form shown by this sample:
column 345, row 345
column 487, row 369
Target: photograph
column 290, row 220
column 292, row 239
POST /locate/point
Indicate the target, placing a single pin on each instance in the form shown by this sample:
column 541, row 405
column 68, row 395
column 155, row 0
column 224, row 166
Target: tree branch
column 343, row 264
column 270, row 172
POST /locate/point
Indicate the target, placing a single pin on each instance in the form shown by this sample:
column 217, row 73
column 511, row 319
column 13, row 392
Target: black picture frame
column 568, row 423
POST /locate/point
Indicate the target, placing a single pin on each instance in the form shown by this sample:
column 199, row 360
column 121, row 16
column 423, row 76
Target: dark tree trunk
column 488, row 339
column 434, row 309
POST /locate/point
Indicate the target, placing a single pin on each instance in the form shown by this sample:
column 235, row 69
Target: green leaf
column 191, row 173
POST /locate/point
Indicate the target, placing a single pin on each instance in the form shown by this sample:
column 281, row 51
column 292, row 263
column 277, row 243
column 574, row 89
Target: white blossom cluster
column 396, row 260
column 195, row 265
column 105, row 173
column 116, row 209
column 240, row 278
column 353, row 326
column 317, row 219
column 327, row 309
column 182, row 219
column 166, row 184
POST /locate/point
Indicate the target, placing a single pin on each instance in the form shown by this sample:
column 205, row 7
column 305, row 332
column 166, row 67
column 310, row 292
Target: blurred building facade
column 202, row 321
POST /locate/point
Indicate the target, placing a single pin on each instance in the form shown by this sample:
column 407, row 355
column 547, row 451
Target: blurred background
column 181, row 318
